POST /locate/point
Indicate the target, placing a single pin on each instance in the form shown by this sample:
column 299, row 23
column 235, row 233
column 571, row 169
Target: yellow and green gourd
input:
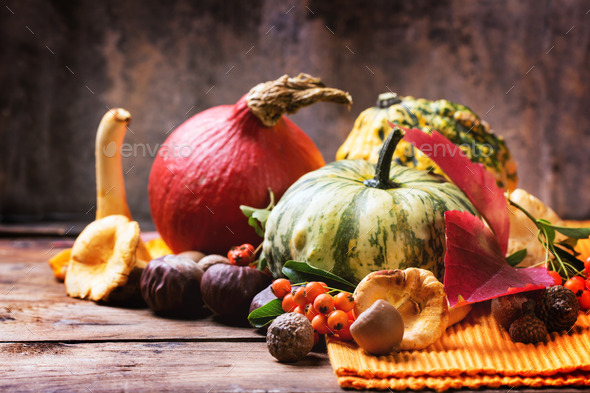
column 456, row 122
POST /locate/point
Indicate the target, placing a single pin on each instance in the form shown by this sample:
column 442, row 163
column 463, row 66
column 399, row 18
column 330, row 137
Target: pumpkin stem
column 386, row 100
column 383, row 167
column 269, row 101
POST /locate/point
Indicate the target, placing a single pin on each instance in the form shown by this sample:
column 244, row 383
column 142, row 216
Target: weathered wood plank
column 85, row 321
column 31, row 250
column 167, row 366
column 50, row 342
column 35, row 307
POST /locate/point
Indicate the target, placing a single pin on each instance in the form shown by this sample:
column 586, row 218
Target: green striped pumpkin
column 351, row 217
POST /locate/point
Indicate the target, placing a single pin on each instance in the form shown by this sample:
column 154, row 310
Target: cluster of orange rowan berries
column 328, row 314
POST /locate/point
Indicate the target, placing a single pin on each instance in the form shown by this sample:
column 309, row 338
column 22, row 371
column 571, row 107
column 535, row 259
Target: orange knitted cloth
column 472, row 354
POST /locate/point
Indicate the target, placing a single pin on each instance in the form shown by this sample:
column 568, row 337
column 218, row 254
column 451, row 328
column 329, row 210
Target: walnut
column 289, row 337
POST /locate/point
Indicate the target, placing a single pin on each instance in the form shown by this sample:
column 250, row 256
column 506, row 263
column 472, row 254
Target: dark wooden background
column 523, row 65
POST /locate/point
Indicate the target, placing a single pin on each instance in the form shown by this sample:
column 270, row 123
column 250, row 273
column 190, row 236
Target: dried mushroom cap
column 102, row 258
column 418, row 296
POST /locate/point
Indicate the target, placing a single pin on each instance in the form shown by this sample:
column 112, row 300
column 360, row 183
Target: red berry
column 556, row 277
column 584, row 300
column 241, row 255
column 299, row 310
column 337, row 319
column 316, row 338
column 324, row 285
column 351, row 316
column 344, row 333
column 288, row 303
column 310, row 311
column 299, row 296
column 280, row 287
column 344, row 301
column 575, row 284
column 320, row 324
column 324, row 303
column 587, row 267
column 312, row 290
column 578, row 278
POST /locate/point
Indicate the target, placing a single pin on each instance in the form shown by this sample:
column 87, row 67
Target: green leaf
column 569, row 243
column 576, row 233
column 547, row 229
column 261, row 215
column 257, row 217
column 258, row 227
column 517, row 257
column 575, row 262
column 303, row 271
column 261, row 261
column 266, row 314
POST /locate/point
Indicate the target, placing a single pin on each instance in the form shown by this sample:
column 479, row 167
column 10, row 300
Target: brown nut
column 379, row 329
column 171, row 285
column 507, row 309
column 194, row 255
column 213, row 259
column 289, row 337
column 228, row 290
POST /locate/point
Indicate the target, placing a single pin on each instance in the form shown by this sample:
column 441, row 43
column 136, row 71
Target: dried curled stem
column 269, row 101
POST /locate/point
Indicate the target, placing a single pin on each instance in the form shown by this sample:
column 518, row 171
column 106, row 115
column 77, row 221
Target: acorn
column 528, row 329
column 558, row 308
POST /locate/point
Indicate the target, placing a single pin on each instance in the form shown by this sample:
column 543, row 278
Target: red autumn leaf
column 475, row 267
column 472, row 178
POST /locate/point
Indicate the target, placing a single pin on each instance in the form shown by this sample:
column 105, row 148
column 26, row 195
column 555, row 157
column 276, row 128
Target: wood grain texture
column 524, row 66
column 52, row 343
column 166, row 366
column 35, row 307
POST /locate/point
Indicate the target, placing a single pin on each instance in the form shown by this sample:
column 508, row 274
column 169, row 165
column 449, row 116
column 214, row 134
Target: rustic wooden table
column 50, row 342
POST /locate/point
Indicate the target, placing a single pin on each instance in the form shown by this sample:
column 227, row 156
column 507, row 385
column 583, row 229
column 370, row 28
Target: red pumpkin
column 225, row 157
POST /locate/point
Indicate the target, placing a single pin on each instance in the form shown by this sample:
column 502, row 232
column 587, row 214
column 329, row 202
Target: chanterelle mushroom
column 110, row 186
column 418, row 296
column 102, row 258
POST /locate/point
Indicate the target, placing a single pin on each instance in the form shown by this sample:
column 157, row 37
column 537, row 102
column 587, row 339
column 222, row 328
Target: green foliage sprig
column 560, row 256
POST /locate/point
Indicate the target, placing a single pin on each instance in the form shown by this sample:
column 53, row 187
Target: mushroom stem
column 110, row 186
column 111, row 198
